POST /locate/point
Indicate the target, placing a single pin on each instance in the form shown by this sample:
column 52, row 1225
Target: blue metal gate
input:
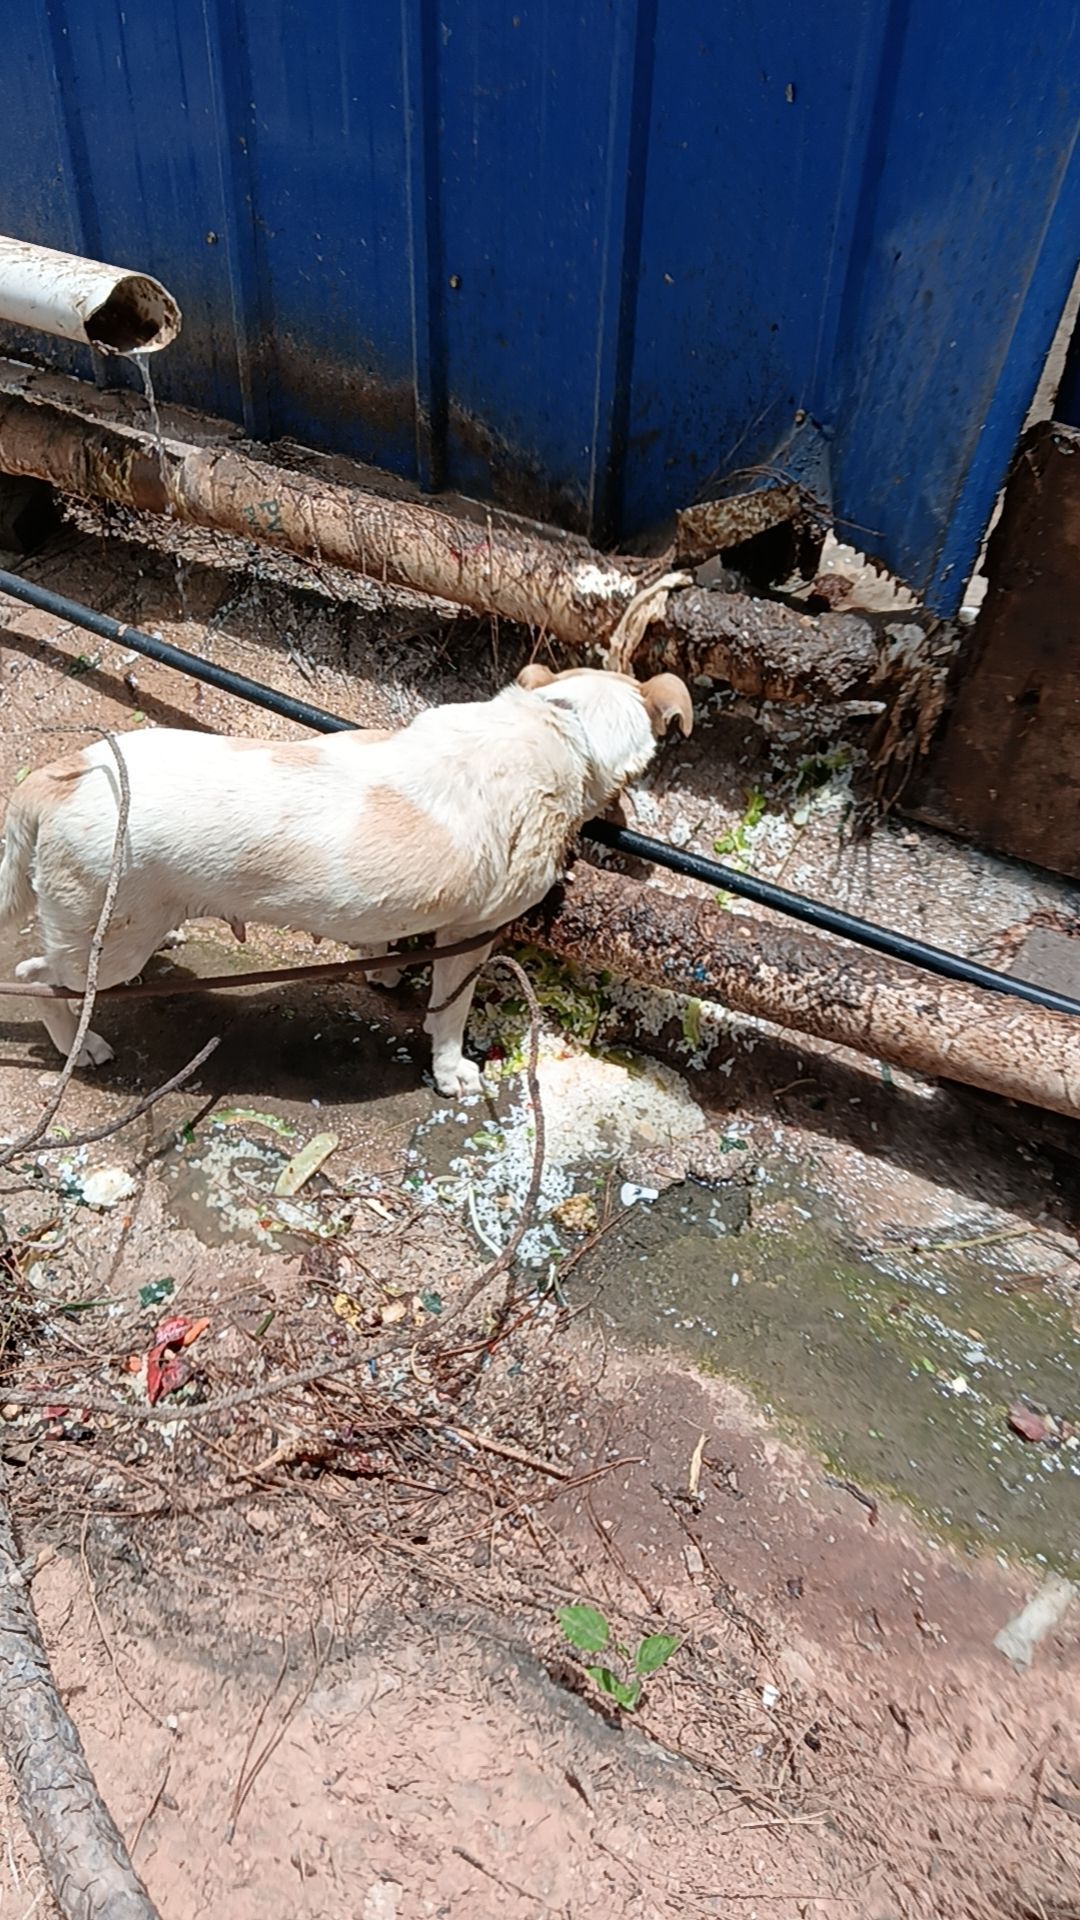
column 584, row 259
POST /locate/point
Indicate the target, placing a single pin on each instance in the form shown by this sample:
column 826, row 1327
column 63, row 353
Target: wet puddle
column 478, row 1158
column 898, row 1366
column 222, row 1187
column 901, row 1372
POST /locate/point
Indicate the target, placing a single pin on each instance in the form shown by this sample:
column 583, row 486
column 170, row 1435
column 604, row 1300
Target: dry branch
column 771, row 652
column 774, row 972
column 56, row 430
column 331, row 1367
column 85, row 1860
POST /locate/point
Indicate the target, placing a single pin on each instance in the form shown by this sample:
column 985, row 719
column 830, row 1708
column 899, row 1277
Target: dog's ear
column 667, row 698
column 535, row 675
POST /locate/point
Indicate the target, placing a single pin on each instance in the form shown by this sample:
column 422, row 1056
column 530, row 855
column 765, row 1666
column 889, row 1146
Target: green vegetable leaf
column 655, row 1651
column 625, row 1693
column 755, row 808
column 584, row 1628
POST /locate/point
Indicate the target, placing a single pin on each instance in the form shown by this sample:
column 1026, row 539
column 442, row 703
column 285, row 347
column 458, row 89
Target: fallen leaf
column 165, row 1370
column 179, row 1331
column 298, row 1171
column 1027, row 1423
column 154, row 1386
column 348, row 1309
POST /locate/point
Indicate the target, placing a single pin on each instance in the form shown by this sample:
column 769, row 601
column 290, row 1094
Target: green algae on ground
column 900, row 1371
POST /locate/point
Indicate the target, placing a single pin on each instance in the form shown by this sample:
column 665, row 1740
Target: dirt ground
column 310, row 1639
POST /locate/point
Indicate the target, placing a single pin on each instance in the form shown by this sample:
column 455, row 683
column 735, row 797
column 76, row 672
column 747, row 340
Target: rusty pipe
column 892, row 1012
column 111, row 308
column 56, row 430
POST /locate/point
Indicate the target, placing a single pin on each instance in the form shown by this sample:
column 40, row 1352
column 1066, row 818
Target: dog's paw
column 95, row 1052
column 456, row 1080
column 32, row 969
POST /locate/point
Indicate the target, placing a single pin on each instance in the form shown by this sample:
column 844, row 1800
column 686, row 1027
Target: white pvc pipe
column 110, row 308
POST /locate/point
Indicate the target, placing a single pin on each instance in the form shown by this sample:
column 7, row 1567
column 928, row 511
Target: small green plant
column 82, row 663
column 588, row 1631
column 818, row 769
column 737, row 839
column 734, row 845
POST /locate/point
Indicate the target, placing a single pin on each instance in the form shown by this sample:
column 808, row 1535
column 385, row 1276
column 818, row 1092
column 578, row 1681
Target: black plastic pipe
column 106, row 628
column 692, row 866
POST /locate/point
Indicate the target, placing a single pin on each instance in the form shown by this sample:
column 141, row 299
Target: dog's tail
column 20, row 842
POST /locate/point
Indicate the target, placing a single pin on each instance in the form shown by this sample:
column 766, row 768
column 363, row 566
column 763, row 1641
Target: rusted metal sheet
column 1005, row 771
column 583, row 261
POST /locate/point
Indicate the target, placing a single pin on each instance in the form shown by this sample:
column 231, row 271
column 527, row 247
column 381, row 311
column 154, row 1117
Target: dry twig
column 85, row 1861
column 332, row 1366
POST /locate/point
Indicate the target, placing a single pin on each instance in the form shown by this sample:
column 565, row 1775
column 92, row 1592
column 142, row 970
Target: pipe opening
column 138, row 317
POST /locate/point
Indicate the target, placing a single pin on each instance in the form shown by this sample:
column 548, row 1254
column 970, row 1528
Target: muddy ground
column 749, row 1387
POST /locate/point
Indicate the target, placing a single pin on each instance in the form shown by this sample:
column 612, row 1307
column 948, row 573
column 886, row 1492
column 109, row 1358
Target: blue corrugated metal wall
column 584, row 259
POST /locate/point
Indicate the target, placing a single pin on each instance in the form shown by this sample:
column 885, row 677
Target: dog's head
column 621, row 719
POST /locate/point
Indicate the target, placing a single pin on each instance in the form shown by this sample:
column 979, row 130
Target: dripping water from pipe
column 142, row 361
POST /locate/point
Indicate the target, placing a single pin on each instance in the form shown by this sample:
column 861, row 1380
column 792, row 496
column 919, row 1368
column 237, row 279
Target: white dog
column 450, row 827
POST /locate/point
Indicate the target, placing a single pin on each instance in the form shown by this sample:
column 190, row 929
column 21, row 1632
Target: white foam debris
column 105, row 1187
column 630, row 1195
column 1044, row 1611
column 595, row 1111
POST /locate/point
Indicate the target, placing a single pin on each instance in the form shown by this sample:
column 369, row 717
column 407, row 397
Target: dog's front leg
column 446, row 1022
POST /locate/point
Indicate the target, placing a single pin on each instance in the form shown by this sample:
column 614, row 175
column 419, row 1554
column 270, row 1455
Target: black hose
column 136, row 641
column 692, row 866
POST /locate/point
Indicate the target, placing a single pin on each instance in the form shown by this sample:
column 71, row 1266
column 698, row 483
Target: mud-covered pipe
column 557, row 585
column 895, row 1013
column 112, row 308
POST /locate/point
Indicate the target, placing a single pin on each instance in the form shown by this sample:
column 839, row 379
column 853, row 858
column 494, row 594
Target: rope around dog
column 328, row 970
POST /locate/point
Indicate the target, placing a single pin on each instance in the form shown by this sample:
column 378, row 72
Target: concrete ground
column 762, row 1386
